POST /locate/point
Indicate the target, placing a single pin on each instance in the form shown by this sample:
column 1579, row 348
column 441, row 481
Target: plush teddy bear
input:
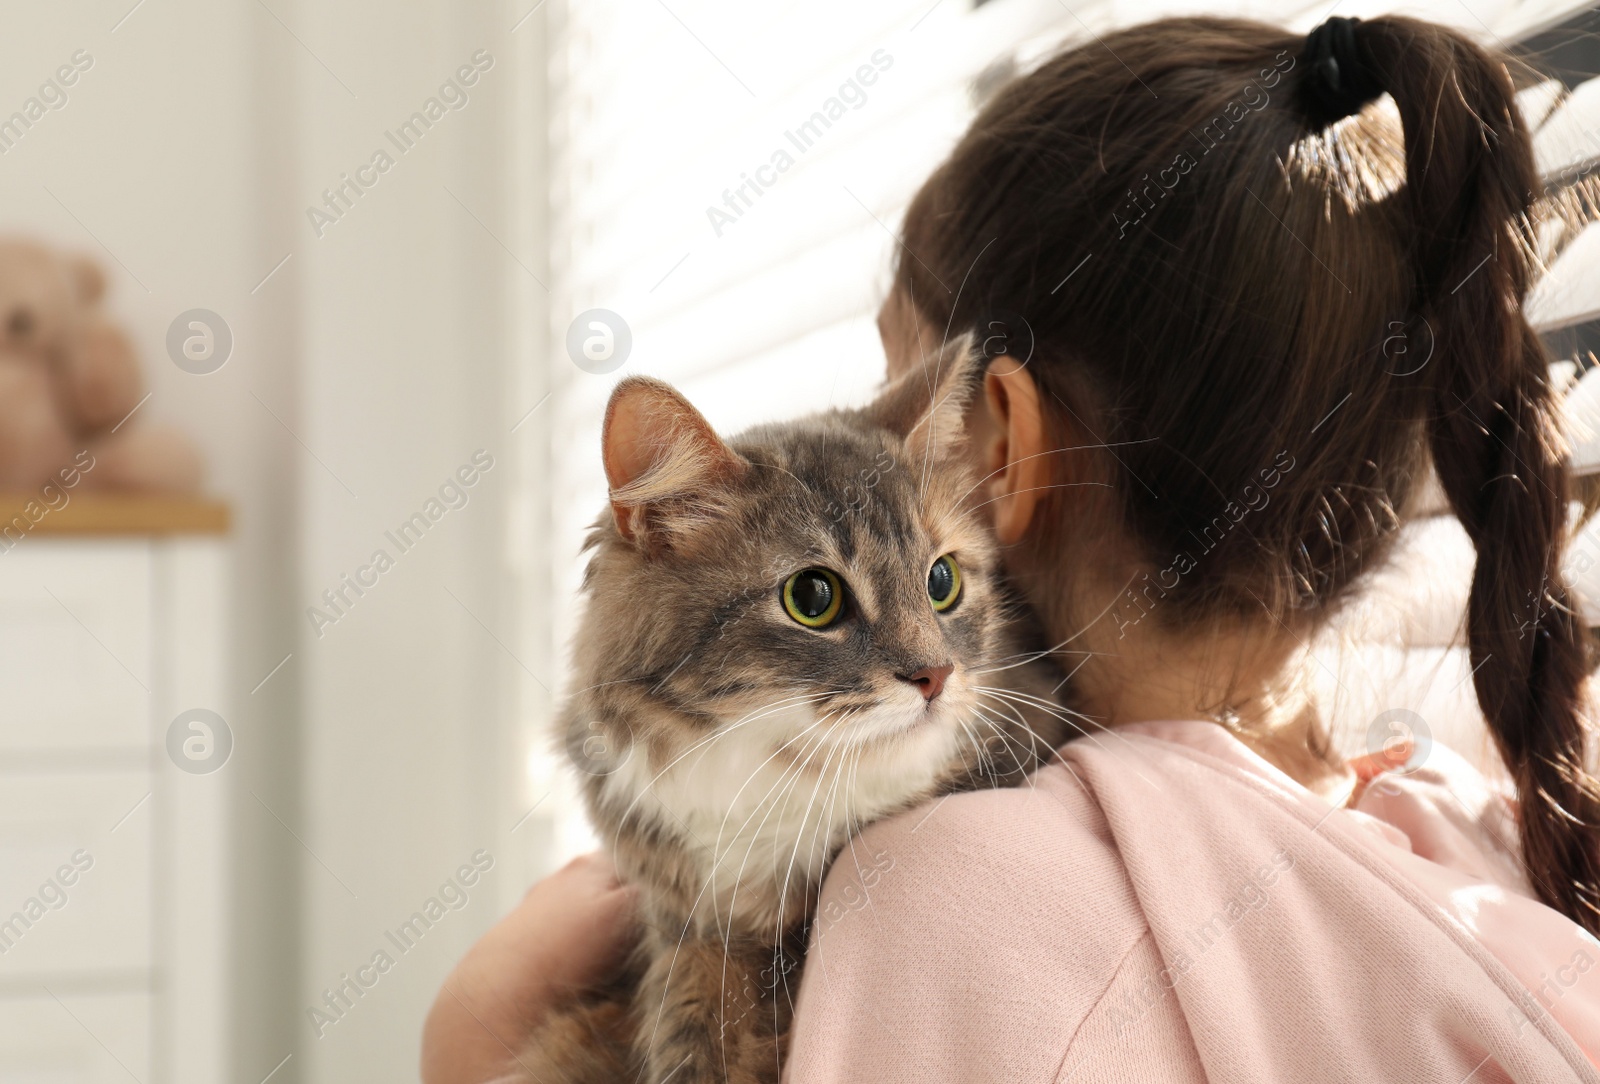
column 70, row 382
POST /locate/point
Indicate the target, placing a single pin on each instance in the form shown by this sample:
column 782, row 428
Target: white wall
column 379, row 354
column 163, row 160
column 410, row 303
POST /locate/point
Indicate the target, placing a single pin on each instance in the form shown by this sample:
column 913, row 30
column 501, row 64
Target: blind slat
column 1568, row 142
column 1569, row 293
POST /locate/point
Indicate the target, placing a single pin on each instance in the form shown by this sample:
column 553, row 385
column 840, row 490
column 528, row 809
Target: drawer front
column 80, row 1039
column 75, row 645
column 75, row 877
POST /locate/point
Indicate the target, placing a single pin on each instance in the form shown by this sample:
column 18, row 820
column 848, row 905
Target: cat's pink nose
column 929, row 680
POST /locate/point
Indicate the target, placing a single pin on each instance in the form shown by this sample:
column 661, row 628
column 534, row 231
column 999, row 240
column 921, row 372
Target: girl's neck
column 1250, row 679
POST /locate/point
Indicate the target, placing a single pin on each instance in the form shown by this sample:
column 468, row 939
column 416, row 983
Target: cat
column 788, row 635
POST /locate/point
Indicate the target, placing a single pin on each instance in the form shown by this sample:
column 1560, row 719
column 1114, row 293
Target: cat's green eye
column 813, row 597
column 944, row 583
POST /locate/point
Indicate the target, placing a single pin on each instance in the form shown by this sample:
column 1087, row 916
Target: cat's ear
column 665, row 465
column 927, row 405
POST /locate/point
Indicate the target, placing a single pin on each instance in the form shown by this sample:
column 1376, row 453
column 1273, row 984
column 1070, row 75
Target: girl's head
column 1250, row 323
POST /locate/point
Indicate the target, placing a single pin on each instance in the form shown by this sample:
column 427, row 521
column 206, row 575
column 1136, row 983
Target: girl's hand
column 569, row 932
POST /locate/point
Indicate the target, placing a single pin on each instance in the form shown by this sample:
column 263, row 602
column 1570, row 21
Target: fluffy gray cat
column 788, row 635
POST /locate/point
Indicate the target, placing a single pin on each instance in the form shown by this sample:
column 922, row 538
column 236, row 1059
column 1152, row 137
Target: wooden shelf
column 93, row 513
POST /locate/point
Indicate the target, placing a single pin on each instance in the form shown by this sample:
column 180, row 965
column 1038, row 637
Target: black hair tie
column 1339, row 78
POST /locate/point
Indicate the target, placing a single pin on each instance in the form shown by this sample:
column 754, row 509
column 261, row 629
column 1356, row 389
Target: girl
column 1211, row 244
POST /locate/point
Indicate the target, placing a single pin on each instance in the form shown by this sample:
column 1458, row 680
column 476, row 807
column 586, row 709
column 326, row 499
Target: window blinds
column 729, row 179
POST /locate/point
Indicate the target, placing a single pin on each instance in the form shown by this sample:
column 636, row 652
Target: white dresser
column 113, row 860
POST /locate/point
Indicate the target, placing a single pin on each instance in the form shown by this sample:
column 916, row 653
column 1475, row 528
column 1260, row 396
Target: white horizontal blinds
column 728, row 178
column 1569, row 293
column 752, row 285
column 1567, row 140
column 667, row 116
column 1538, row 102
column 1567, row 145
column 1567, row 299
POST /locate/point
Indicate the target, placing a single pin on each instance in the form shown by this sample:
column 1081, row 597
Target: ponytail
column 1493, row 430
column 1247, row 310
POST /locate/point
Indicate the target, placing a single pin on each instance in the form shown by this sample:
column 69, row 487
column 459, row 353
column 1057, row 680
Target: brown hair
column 1214, row 279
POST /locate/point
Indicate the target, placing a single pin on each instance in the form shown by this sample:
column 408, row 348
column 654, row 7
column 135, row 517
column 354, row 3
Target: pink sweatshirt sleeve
column 948, row 947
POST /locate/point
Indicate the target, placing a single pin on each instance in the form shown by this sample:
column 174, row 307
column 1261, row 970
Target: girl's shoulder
column 1000, row 844
column 959, row 930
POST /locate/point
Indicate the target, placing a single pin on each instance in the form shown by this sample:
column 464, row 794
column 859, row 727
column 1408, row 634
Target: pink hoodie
column 1164, row 905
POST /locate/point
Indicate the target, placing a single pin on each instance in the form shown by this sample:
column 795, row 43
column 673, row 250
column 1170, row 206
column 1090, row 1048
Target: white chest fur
column 762, row 812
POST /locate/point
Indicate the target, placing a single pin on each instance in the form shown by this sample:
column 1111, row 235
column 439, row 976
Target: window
column 728, row 179
column 1569, row 151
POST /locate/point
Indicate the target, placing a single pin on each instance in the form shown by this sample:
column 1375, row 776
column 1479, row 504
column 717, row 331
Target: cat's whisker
column 1026, row 658
column 989, row 757
column 1056, row 711
column 793, row 767
column 1049, row 707
column 795, row 776
column 790, row 774
column 715, row 736
column 710, row 770
column 1027, row 755
column 849, row 792
column 1070, row 674
column 622, row 821
column 827, row 818
column 707, row 885
column 1012, row 729
column 1052, row 451
column 848, row 761
column 812, row 806
column 1062, row 713
column 779, row 467
column 821, row 822
column 852, row 821
column 666, row 985
column 1037, row 489
column 792, row 778
column 783, row 895
column 978, row 751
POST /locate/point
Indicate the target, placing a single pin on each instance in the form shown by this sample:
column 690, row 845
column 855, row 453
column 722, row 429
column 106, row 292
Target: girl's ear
column 666, row 466
column 1014, row 456
column 927, row 405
